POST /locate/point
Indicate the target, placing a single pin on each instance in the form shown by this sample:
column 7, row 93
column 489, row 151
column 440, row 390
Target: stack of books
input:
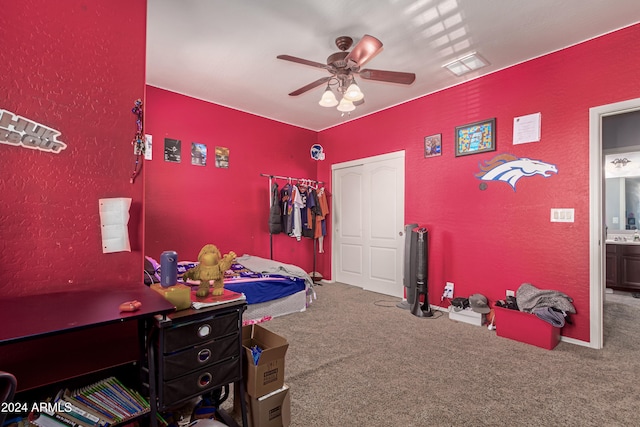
column 101, row 404
column 211, row 300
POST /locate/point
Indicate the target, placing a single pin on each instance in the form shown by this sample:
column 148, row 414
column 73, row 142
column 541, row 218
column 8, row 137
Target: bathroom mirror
column 622, row 191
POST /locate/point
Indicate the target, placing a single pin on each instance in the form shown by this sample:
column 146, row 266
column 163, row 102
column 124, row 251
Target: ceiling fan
column 343, row 66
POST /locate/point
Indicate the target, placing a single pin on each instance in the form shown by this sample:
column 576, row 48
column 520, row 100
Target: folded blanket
column 548, row 314
column 263, row 265
column 529, row 297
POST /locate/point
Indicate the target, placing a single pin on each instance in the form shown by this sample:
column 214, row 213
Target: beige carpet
column 355, row 359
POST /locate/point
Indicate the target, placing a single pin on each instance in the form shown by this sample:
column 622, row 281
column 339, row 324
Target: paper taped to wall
column 114, row 220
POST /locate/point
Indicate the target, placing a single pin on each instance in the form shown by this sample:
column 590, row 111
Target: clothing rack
column 290, row 179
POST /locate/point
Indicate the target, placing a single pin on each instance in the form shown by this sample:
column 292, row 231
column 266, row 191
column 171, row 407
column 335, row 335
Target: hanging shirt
column 304, row 195
column 287, row 209
column 321, row 226
column 298, row 205
column 310, row 211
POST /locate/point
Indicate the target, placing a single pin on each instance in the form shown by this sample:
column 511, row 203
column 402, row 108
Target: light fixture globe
column 345, row 105
column 328, row 99
column 353, row 93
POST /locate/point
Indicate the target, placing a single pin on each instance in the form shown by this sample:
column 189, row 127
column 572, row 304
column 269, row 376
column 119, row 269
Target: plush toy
column 211, row 266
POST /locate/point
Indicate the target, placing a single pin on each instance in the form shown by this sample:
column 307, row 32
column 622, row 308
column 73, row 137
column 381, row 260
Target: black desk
column 35, row 316
column 48, row 338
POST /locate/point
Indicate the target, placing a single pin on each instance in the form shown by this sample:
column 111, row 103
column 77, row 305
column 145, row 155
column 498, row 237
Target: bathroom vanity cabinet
column 623, row 266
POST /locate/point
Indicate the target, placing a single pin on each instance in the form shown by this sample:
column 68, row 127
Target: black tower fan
column 409, row 267
column 421, row 240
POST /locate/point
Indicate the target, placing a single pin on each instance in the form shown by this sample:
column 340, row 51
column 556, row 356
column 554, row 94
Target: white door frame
column 596, row 234
column 351, row 163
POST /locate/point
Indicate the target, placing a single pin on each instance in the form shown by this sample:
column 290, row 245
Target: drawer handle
column 204, row 355
column 204, row 331
column 205, row 379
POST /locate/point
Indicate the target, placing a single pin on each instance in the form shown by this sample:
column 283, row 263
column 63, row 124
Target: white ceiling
column 224, row 51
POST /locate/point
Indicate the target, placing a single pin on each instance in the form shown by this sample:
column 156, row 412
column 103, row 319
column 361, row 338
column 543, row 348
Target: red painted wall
column 76, row 67
column 492, row 240
column 188, row 206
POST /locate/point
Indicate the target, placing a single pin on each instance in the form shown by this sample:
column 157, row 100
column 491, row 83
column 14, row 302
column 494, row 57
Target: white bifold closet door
column 368, row 223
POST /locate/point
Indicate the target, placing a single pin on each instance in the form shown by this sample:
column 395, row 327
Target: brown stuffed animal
column 211, row 266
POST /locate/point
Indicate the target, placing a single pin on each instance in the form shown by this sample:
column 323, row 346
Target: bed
column 271, row 288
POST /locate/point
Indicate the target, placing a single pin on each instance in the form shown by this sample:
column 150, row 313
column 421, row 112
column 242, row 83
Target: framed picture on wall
column 222, row 157
column 198, row 154
column 172, row 150
column 477, row 137
column 433, row 145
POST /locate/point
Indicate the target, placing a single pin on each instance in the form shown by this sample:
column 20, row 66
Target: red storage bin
column 526, row 327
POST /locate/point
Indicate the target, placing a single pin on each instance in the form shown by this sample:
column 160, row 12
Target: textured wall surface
column 76, row 67
column 493, row 240
column 188, row 206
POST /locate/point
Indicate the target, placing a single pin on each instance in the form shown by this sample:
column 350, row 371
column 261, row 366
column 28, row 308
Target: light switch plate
column 562, row 214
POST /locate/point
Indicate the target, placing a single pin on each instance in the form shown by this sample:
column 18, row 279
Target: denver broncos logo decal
column 509, row 168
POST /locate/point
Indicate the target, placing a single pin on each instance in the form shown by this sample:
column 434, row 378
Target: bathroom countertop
column 621, row 242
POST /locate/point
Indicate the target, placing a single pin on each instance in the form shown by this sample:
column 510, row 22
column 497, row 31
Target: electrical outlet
column 510, row 293
column 448, row 291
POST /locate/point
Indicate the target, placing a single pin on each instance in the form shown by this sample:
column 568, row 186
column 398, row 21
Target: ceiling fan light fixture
column 345, row 105
column 328, row 98
column 353, row 93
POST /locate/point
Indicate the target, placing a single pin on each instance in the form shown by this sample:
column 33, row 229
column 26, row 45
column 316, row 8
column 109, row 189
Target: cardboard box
column 268, row 374
column 271, row 410
column 467, row 316
column 526, row 327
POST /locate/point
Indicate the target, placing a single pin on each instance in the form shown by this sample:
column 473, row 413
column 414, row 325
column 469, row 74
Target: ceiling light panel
column 466, row 64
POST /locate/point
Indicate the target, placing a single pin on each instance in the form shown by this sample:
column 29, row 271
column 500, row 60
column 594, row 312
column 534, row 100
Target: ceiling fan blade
column 388, row 76
column 366, row 49
column 302, row 61
column 310, row 86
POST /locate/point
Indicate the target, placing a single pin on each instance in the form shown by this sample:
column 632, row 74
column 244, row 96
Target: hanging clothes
column 321, row 219
column 304, row 195
column 297, row 205
column 286, row 204
column 275, row 211
column 309, row 213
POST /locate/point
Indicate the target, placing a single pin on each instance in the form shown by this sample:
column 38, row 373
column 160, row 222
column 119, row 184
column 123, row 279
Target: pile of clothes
column 549, row 305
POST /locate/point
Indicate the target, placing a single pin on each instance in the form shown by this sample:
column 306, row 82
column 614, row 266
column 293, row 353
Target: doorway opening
column 597, row 233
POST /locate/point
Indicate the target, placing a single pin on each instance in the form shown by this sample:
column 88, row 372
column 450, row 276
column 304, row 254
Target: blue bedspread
column 265, row 289
column 259, row 287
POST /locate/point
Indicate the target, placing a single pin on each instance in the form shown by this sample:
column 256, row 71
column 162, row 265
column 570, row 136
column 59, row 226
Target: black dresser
column 195, row 351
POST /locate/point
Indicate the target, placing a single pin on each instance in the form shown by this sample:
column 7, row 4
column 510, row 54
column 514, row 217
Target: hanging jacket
column 287, row 209
column 321, row 228
column 275, row 212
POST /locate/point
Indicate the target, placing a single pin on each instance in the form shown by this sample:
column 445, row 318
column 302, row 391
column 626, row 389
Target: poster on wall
column 198, row 154
column 172, row 150
column 433, row 145
column 526, row 128
column 477, row 137
column 222, row 157
column 148, row 147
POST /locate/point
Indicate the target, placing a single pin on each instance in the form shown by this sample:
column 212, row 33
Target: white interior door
column 368, row 223
column 348, row 225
